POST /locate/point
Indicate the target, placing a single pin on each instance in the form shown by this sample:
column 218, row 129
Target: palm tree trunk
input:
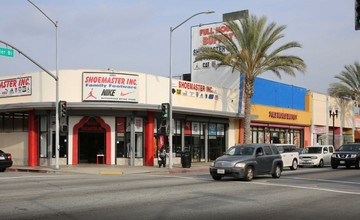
column 247, row 128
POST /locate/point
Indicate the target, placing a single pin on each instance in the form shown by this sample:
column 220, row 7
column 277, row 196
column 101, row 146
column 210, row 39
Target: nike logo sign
column 125, row 93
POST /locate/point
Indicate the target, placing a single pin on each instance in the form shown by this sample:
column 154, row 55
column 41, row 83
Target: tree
column 249, row 51
column 349, row 85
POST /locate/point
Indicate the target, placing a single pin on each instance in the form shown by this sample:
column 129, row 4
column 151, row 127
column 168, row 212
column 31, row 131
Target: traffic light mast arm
column 20, row 52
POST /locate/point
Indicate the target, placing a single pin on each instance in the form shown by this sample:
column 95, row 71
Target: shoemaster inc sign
column 113, row 87
column 15, row 87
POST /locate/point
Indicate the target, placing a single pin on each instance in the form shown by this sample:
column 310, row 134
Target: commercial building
column 113, row 117
column 280, row 114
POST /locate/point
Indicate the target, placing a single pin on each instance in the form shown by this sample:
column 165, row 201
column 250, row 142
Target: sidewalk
column 111, row 169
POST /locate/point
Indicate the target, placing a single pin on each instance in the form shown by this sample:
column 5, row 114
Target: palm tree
column 249, row 51
column 349, row 85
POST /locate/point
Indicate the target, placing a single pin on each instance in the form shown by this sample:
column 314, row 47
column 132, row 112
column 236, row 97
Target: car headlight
column 240, row 165
column 353, row 155
column 333, row 155
column 300, row 157
column 212, row 164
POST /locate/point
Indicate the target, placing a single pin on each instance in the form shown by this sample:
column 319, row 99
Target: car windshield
column 349, row 148
column 240, row 150
column 314, row 150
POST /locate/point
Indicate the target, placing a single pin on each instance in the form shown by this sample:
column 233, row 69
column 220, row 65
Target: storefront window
column 43, row 136
column 13, row 122
column 123, row 137
column 121, row 149
column 216, row 140
column 275, row 135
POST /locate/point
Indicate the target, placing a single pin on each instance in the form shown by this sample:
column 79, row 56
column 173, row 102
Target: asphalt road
column 307, row 193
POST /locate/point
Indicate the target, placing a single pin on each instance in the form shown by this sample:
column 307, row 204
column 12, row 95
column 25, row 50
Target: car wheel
column 294, row 165
column 2, row 169
column 249, row 173
column 216, row 177
column 357, row 166
column 277, row 172
column 321, row 163
column 334, row 166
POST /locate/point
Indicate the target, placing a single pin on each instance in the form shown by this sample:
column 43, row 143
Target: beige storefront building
column 116, row 113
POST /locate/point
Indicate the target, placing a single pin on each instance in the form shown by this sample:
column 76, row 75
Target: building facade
column 280, row 114
column 333, row 119
column 116, row 114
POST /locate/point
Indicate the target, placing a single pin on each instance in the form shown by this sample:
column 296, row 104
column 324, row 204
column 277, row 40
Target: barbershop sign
column 282, row 115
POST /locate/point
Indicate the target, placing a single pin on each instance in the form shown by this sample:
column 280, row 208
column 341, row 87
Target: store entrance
column 91, row 143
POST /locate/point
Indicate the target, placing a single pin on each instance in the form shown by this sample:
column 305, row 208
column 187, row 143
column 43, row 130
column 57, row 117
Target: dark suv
column 248, row 160
column 348, row 155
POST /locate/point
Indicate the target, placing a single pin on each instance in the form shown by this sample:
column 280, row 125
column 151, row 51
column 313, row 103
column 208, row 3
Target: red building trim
column 149, row 140
column 33, row 150
column 75, row 156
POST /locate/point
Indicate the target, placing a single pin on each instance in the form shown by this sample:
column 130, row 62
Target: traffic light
column 165, row 110
column 62, row 109
column 357, row 15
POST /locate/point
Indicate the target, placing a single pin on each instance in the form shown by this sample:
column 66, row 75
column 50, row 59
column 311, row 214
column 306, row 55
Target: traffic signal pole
column 357, row 15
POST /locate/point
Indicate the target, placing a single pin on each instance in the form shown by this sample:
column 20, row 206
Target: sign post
column 6, row 52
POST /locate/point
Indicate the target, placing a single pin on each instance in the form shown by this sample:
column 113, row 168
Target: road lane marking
column 111, row 173
column 321, row 180
column 305, row 187
column 282, row 185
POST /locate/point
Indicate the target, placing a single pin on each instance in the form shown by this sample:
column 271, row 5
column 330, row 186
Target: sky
column 134, row 35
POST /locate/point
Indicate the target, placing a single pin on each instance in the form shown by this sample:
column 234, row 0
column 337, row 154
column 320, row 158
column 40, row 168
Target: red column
column 241, row 131
column 149, row 140
column 33, row 150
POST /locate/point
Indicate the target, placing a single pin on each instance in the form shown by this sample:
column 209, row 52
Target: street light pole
column 57, row 123
column 170, row 86
column 333, row 114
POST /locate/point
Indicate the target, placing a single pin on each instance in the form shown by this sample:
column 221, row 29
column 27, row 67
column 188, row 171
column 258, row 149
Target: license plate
column 220, row 171
column 2, row 158
column 342, row 162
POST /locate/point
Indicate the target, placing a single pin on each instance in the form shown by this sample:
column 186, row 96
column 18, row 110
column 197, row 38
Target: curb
column 104, row 172
column 24, row 170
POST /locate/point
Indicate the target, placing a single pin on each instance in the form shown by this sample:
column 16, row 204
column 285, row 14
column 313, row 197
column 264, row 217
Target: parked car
column 318, row 156
column 289, row 155
column 348, row 155
column 248, row 160
column 5, row 161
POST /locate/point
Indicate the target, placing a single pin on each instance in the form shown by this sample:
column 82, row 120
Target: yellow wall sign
column 280, row 115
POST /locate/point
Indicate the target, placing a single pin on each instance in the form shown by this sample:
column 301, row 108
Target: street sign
column 6, row 52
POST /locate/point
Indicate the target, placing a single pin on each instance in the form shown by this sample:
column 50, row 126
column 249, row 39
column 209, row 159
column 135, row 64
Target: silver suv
column 248, row 160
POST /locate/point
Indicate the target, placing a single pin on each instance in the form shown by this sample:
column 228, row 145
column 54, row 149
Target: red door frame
column 75, row 150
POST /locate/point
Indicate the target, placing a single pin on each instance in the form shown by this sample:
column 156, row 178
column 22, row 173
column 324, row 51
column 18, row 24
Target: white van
column 319, row 156
column 290, row 156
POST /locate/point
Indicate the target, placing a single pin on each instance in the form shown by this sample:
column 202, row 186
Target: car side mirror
column 325, row 151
